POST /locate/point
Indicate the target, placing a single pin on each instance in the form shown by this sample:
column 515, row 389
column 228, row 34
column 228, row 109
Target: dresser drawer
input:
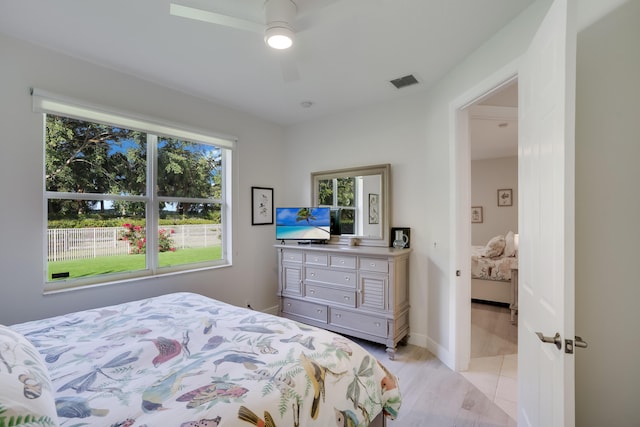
column 289, row 255
column 315, row 259
column 335, row 296
column 331, row 277
column 342, row 261
column 380, row 265
column 305, row 309
column 360, row 322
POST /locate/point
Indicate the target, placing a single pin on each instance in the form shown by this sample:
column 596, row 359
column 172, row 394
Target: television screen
column 303, row 223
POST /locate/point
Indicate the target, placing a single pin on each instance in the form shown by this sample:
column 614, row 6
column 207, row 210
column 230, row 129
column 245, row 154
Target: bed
column 187, row 360
column 494, row 272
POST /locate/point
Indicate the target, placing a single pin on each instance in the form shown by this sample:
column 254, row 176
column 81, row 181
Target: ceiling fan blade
column 215, row 18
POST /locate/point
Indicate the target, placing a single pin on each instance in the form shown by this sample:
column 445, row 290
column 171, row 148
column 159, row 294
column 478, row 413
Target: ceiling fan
column 279, row 18
column 278, row 27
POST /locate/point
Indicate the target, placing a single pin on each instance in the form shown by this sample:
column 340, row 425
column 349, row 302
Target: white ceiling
column 345, row 54
column 493, row 125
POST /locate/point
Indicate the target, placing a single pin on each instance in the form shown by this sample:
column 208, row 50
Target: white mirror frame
column 385, row 215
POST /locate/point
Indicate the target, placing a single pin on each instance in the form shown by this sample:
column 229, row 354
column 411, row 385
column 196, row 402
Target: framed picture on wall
column 261, row 206
column 476, row 214
column 374, row 208
column 505, row 197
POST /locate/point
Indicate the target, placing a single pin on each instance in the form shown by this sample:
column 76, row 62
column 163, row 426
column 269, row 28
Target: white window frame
column 48, row 103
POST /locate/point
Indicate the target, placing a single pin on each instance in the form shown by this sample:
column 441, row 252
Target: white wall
column 607, row 220
column 487, row 176
column 412, row 134
column 258, row 162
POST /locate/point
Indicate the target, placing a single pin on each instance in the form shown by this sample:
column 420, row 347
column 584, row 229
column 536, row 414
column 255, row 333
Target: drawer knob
column 341, row 261
column 319, row 310
column 347, row 298
column 288, row 304
column 373, row 264
column 338, row 315
column 377, row 324
column 312, row 291
column 347, row 278
column 312, row 274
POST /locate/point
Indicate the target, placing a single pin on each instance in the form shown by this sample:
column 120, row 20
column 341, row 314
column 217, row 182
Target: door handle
column 569, row 344
column 551, row 340
column 580, row 342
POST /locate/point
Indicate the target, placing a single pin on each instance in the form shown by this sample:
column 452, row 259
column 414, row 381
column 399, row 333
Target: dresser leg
column 392, row 352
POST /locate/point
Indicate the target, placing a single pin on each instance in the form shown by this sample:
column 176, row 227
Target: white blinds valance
column 47, row 102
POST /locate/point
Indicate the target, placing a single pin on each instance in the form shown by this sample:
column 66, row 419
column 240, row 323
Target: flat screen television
column 303, row 223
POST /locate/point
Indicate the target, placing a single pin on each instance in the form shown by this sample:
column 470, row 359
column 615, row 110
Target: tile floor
column 496, row 377
column 435, row 396
column 494, row 363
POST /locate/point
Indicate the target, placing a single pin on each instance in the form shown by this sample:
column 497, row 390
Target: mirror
column 359, row 202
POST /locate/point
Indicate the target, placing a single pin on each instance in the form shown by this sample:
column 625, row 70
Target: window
column 127, row 197
column 340, row 194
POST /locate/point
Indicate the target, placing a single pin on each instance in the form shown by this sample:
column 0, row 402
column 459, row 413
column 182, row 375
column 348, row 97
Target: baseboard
column 419, row 340
column 275, row 310
column 441, row 353
column 496, row 303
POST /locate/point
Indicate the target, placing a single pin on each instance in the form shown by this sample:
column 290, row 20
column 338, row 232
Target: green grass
column 189, row 256
column 121, row 263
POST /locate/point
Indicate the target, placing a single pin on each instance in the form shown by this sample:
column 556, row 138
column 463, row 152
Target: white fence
column 82, row 243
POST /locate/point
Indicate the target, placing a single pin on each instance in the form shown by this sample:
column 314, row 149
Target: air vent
column 405, row 81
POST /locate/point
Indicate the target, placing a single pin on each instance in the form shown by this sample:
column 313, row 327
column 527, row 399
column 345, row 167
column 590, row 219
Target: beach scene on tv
column 303, row 223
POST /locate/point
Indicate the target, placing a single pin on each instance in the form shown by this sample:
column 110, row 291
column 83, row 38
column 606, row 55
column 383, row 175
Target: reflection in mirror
column 358, row 198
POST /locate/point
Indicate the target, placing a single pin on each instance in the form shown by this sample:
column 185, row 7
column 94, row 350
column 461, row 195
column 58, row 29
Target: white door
column 546, row 221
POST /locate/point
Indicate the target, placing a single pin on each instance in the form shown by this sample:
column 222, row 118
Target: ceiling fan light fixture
column 279, row 15
column 278, row 37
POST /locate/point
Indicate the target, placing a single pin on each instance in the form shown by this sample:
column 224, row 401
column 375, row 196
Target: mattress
column 498, row 268
column 187, row 360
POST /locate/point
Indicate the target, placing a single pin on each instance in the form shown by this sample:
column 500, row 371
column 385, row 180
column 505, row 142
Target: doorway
column 490, row 125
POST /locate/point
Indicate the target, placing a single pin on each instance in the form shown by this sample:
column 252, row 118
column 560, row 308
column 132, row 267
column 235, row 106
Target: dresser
column 358, row 291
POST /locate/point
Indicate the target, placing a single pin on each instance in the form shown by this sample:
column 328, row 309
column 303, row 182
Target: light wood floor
column 492, row 333
column 434, row 395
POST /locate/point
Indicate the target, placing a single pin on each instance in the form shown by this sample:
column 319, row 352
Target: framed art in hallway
column 261, row 206
column 476, row 214
column 505, row 197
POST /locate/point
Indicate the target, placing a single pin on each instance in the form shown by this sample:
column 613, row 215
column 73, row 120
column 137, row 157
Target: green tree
column 344, row 190
column 188, row 169
column 78, row 160
column 325, row 192
column 86, row 157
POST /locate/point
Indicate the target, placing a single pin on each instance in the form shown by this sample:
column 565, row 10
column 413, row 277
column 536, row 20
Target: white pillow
column 510, row 245
column 26, row 395
column 495, row 246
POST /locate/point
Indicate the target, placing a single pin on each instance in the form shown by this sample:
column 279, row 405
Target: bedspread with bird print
column 183, row 360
